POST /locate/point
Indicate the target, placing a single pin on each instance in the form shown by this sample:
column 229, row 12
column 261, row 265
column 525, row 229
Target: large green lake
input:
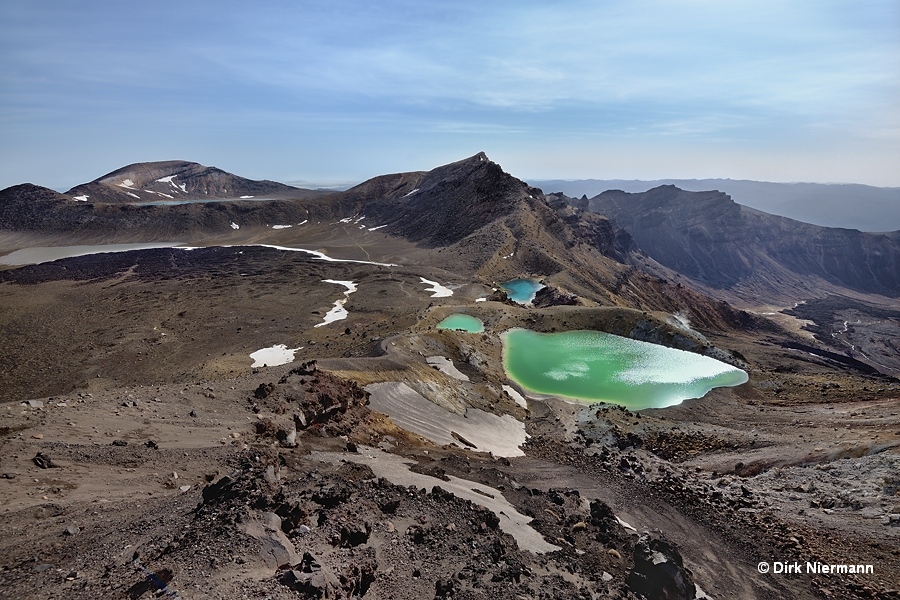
column 601, row 367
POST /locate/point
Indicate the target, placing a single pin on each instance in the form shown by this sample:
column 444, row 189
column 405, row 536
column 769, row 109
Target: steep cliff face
column 444, row 205
column 708, row 237
column 593, row 228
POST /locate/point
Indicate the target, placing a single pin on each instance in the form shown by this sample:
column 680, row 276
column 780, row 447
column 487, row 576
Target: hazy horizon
column 344, row 91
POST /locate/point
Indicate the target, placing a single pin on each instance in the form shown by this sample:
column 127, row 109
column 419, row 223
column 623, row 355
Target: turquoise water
column 462, row 322
column 521, row 290
column 596, row 366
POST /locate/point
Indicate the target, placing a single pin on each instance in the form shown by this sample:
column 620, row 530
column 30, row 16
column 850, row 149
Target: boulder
column 659, row 572
column 43, row 461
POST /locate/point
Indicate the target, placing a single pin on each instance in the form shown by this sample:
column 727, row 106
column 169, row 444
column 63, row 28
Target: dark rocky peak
column 444, row 205
column 145, row 172
column 24, row 206
column 477, row 174
column 29, row 193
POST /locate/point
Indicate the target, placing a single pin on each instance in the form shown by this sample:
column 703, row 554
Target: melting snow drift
column 338, row 312
column 439, row 290
column 276, row 355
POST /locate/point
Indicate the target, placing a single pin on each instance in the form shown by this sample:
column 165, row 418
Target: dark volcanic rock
column 25, row 206
column 710, row 238
column 592, row 228
column 659, row 572
column 43, row 461
column 550, row 296
column 444, row 205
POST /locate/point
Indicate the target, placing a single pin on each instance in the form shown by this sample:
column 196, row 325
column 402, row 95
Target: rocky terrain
column 765, row 264
column 143, row 455
column 710, row 238
column 847, row 206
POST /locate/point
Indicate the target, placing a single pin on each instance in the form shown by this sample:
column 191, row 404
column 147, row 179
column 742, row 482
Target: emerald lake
column 600, row 367
column 462, row 322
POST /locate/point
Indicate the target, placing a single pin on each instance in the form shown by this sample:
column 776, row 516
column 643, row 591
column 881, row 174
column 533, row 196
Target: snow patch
column 515, row 395
column 82, row 198
column 439, row 290
column 376, row 228
column 411, row 193
column 133, row 195
column 167, row 179
column 446, row 366
column 338, row 312
column 273, row 356
column 128, row 184
column 281, row 226
column 235, row 225
column 322, row 256
column 626, row 526
column 244, row 197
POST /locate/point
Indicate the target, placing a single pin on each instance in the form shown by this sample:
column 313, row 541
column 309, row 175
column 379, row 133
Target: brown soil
column 172, row 456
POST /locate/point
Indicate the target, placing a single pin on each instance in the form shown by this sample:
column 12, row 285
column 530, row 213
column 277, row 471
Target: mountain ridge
column 844, row 205
column 710, row 238
column 486, row 222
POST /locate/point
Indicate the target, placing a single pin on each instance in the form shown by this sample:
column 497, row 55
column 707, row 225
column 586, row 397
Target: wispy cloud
column 729, row 73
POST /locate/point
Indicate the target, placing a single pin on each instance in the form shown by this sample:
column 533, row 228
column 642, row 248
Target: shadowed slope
column 709, row 238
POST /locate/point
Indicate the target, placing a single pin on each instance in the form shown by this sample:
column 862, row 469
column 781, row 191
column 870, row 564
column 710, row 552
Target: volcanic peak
column 174, row 180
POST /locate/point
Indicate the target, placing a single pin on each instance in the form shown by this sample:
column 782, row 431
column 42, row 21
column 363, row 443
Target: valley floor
column 139, row 451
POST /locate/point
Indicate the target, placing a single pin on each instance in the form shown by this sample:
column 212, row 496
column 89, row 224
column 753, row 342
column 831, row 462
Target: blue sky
column 340, row 91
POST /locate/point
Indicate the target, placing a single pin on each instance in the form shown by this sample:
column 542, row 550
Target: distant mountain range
column 666, row 249
column 849, row 206
column 711, row 239
column 487, row 214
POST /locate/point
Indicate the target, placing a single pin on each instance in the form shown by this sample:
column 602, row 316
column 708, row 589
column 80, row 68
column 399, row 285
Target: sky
column 339, row 91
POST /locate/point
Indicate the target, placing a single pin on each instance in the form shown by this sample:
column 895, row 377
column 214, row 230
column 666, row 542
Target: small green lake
column 521, row 290
column 462, row 322
column 600, row 367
